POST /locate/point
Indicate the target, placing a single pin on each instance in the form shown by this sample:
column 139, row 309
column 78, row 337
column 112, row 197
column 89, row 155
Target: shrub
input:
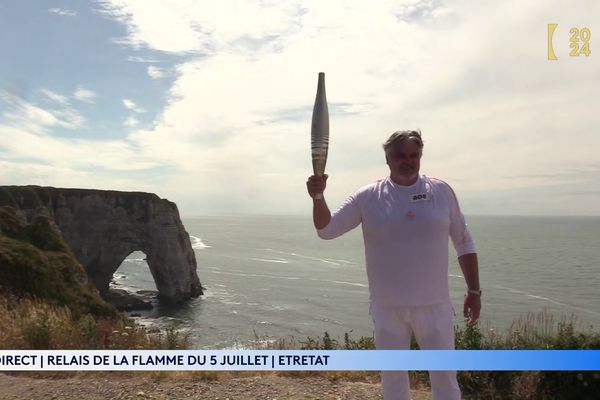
column 30, row 323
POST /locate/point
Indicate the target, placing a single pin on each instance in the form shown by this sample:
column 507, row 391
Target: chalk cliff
column 103, row 227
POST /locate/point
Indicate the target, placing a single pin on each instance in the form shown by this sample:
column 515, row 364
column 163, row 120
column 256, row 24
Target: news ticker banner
column 286, row 360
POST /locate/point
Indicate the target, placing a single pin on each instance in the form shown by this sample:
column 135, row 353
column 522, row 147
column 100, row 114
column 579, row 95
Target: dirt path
column 148, row 386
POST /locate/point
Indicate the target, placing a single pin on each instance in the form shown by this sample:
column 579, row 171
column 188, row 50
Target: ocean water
column 271, row 277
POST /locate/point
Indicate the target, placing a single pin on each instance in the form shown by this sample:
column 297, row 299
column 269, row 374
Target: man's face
column 404, row 161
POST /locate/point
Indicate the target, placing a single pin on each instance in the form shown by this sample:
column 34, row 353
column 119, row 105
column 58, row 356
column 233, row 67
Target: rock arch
column 103, row 227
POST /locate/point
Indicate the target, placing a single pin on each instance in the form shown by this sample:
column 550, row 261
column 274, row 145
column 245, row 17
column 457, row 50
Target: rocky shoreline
column 124, row 300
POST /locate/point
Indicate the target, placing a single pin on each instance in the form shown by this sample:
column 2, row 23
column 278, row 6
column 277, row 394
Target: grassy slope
column 35, row 261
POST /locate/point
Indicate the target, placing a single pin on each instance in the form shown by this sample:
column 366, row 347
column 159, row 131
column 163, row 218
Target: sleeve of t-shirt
column 459, row 232
column 345, row 218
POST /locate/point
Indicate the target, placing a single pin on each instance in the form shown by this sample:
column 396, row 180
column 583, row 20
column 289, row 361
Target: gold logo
column 551, row 29
column 579, row 42
column 584, row 35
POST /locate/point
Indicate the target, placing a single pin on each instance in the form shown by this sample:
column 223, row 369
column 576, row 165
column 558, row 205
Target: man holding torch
column 407, row 219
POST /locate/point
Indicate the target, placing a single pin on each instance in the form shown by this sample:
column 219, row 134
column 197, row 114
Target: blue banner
column 313, row 360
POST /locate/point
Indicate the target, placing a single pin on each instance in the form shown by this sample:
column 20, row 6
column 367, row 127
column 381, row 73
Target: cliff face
column 35, row 260
column 104, row 227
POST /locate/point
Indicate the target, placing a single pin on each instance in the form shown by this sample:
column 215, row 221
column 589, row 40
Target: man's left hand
column 472, row 307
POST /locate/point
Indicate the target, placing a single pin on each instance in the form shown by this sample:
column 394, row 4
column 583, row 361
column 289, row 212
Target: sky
column 208, row 103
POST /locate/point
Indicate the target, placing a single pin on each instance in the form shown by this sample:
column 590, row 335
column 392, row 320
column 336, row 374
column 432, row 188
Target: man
column 406, row 220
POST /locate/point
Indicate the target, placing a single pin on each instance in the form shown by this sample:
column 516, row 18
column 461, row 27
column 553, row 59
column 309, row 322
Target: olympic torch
column 319, row 132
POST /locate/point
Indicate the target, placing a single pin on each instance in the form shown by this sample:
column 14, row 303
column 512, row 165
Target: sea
column 270, row 278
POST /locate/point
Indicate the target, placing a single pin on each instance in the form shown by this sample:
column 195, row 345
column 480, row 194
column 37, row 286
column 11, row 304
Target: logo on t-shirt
column 419, row 197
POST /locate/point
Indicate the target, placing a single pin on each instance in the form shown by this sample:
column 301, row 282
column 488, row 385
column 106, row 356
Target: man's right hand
column 316, row 184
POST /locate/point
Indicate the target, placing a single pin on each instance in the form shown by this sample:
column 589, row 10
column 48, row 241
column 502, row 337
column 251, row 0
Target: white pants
column 433, row 327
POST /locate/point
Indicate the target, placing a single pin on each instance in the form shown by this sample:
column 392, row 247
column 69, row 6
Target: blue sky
column 208, row 103
column 70, row 50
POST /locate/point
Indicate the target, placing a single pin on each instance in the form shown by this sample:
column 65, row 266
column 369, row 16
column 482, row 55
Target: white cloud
column 83, row 155
column 30, row 173
column 174, row 34
column 63, row 12
column 202, row 27
column 155, row 72
column 141, row 59
column 84, row 95
column 132, row 106
column 71, row 118
column 34, row 118
column 131, row 122
column 55, row 96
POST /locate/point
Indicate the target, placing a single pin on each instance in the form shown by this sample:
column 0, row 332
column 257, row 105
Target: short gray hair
column 401, row 136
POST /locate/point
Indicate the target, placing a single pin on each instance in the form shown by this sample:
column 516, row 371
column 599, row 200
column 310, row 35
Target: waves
column 219, row 271
column 272, row 256
column 198, row 244
column 277, row 260
column 292, row 255
column 507, row 292
column 547, row 299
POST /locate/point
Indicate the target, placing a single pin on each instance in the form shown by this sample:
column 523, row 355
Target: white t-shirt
column 405, row 231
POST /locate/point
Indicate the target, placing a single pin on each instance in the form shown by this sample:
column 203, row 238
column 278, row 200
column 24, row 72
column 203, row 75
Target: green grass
column 35, row 262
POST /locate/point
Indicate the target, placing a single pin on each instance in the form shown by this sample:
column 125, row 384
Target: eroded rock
column 103, row 227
